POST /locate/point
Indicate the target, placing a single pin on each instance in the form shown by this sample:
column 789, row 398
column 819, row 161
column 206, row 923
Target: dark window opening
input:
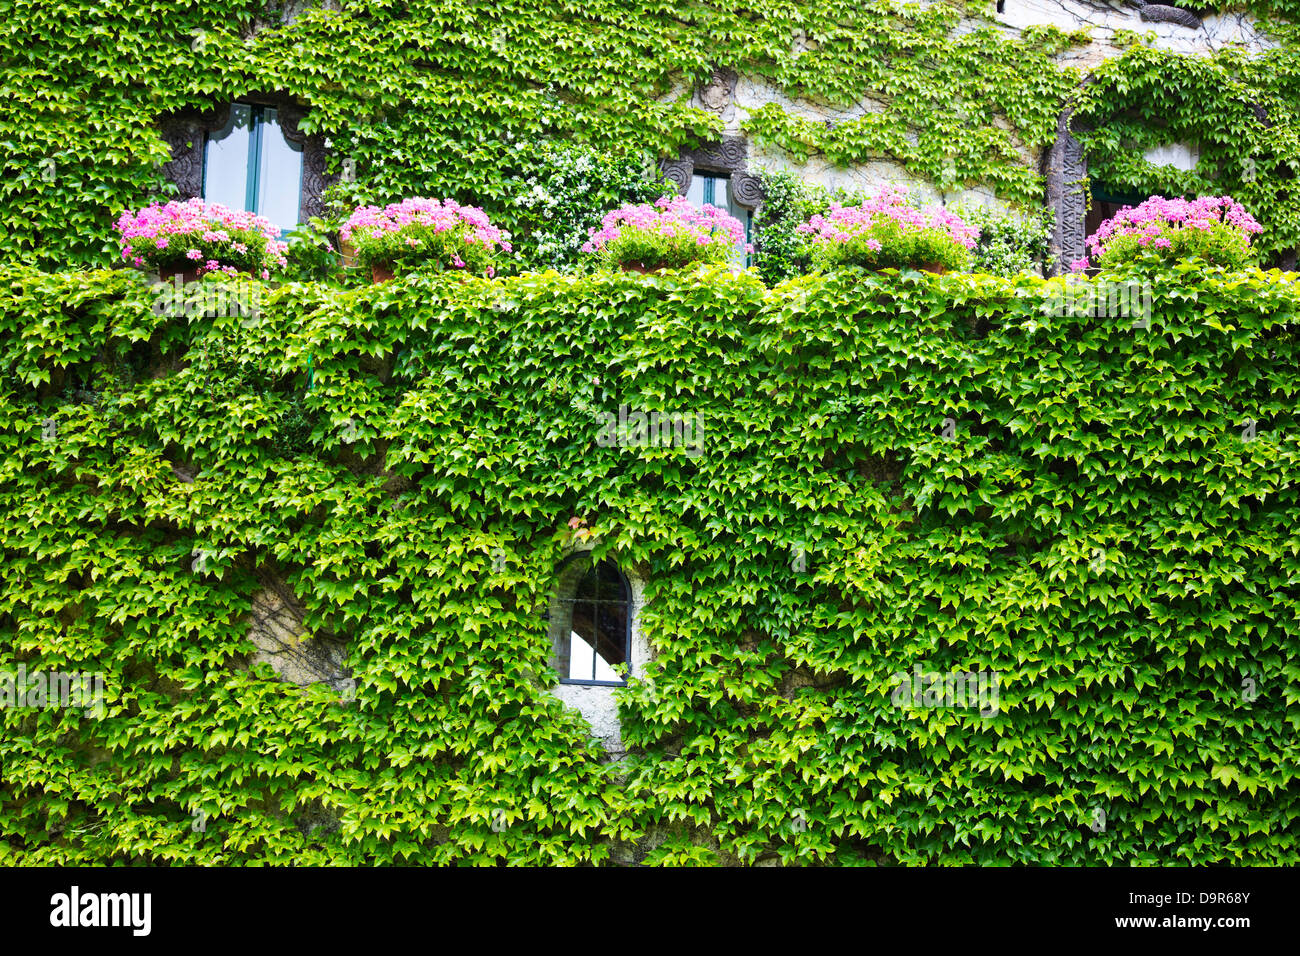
column 595, row 627
column 1105, row 204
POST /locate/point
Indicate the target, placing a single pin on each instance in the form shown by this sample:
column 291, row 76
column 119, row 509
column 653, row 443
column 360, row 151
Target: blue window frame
column 249, row 164
column 715, row 189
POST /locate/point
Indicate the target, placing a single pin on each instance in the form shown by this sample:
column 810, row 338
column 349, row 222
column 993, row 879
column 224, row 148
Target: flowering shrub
column 670, row 233
column 425, row 233
column 887, row 231
column 1009, row 243
column 1214, row 228
column 559, row 197
column 204, row 236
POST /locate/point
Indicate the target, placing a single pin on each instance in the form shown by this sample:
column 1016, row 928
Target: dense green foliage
column 1009, row 244
column 889, row 244
column 1242, row 113
column 558, row 206
column 974, row 481
column 462, row 99
column 780, row 252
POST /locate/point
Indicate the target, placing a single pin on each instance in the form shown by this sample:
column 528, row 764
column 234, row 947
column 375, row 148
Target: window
column 1105, row 203
column 591, row 623
column 716, row 189
column 250, row 165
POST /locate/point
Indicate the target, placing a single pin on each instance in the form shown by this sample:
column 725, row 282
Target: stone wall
column 734, row 97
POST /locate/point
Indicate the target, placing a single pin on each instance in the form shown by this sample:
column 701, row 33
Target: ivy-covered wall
column 896, row 472
column 460, row 99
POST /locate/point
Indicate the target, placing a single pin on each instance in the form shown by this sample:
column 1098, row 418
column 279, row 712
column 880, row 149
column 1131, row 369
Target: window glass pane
column 591, row 633
column 279, row 185
column 588, row 588
column 716, row 190
column 611, row 638
column 225, row 160
column 609, row 585
column 695, row 191
column 582, row 638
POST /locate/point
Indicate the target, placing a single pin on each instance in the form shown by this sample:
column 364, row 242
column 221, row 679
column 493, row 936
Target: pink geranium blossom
column 670, row 232
column 219, row 238
column 1216, row 228
column 888, row 230
column 425, row 231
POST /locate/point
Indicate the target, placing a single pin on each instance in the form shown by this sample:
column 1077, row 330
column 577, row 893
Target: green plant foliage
column 312, row 256
column 779, row 251
column 564, row 196
column 972, row 480
column 1009, row 243
column 1243, row 113
column 456, row 99
column 889, row 244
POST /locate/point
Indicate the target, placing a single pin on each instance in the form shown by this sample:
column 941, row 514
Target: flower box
column 423, row 234
column 193, row 238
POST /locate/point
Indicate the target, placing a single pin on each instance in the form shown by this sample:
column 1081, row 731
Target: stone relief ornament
column 186, row 133
column 730, row 156
column 1167, row 13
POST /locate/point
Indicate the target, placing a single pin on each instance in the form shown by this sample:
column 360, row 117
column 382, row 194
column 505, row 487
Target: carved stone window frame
column 187, row 132
column 1066, row 170
column 729, row 157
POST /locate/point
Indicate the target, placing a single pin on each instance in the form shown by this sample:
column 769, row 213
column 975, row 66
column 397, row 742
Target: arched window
column 591, row 623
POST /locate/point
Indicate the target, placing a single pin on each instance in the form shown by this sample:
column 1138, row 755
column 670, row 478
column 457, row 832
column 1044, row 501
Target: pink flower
column 203, row 225
column 468, row 224
column 1156, row 219
column 672, row 217
column 890, row 205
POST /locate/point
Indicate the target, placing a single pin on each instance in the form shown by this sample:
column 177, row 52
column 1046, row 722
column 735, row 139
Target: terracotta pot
column 934, row 267
column 381, row 272
column 640, row 267
column 188, row 274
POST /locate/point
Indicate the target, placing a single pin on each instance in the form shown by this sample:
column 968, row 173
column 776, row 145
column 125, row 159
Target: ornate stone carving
column 186, row 133
column 679, row 171
column 720, row 92
column 729, row 156
column 185, row 169
column 747, row 189
column 1066, row 168
column 1163, row 13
